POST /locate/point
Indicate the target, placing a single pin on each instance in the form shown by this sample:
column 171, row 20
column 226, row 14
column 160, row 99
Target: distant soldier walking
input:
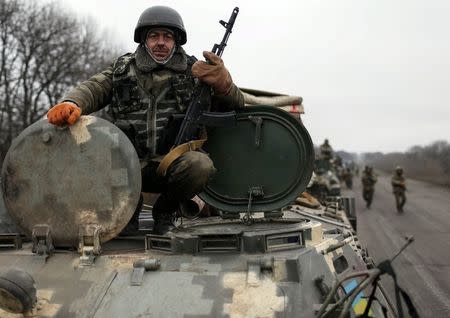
column 347, row 176
column 398, row 188
column 368, row 181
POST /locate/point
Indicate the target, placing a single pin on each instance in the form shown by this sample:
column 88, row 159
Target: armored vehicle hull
column 208, row 268
column 258, row 256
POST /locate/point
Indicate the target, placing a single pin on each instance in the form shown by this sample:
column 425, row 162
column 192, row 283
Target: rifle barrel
column 219, row 48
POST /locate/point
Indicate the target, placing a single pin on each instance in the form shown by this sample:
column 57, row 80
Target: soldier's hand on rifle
column 65, row 113
column 213, row 73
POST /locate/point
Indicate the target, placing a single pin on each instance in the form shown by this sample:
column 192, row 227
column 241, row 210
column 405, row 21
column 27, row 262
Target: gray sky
column 374, row 74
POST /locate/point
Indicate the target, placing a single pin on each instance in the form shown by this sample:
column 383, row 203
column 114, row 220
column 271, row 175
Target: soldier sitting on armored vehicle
column 324, row 182
column 326, row 151
column 368, row 181
column 398, row 182
column 147, row 92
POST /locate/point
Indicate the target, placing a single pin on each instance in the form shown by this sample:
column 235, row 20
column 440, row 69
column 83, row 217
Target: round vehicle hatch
column 72, row 177
column 264, row 162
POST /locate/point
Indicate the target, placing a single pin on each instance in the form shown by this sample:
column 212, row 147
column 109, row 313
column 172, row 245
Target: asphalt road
column 423, row 269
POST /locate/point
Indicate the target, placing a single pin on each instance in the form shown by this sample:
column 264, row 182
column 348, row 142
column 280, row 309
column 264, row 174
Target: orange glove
column 213, row 73
column 65, row 113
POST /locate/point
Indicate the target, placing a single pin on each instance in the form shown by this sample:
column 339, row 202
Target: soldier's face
column 160, row 42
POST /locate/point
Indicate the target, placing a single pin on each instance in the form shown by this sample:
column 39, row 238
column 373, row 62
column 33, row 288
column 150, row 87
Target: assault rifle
column 197, row 114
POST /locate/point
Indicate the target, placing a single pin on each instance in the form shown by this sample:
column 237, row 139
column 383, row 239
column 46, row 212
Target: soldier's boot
column 163, row 213
column 132, row 228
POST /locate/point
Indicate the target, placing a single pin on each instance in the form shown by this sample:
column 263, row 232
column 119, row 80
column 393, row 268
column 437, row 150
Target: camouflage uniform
column 326, row 151
column 147, row 101
column 347, row 176
column 368, row 181
column 398, row 182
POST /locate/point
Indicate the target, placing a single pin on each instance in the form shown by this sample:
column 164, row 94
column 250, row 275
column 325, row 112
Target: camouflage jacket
column 368, row 181
column 144, row 96
column 326, row 151
column 398, row 183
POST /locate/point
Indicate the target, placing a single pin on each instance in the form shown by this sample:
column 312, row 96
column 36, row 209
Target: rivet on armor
column 46, row 137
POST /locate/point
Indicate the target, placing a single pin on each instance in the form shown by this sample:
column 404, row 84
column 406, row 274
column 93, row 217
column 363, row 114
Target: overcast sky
column 374, row 74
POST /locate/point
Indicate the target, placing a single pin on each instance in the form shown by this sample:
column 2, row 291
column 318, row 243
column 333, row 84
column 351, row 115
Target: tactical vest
column 150, row 116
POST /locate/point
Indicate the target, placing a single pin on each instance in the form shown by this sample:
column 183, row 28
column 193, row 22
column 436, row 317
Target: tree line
column 428, row 163
column 44, row 51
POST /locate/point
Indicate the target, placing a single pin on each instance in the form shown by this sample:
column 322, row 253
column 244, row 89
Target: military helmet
column 160, row 16
column 398, row 169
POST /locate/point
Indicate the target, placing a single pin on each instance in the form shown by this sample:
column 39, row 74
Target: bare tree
column 9, row 26
column 44, row 50
column 429, row 163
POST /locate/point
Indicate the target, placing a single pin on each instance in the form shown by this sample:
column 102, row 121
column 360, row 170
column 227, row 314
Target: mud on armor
column 149, row 116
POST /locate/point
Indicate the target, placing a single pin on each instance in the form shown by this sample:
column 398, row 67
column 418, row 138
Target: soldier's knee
column 189, row 174
column 193, row 165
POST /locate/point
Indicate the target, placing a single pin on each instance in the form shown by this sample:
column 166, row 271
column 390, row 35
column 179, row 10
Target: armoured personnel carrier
column 324, row 182
column 72, row 190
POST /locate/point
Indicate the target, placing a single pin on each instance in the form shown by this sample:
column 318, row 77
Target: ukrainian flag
column 359, row 304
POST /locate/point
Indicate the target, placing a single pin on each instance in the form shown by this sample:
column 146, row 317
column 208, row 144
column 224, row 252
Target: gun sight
column 219, row 48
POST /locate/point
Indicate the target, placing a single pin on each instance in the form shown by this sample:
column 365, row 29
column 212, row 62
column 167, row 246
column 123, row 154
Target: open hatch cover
column 265, row 160
column 71, row 177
